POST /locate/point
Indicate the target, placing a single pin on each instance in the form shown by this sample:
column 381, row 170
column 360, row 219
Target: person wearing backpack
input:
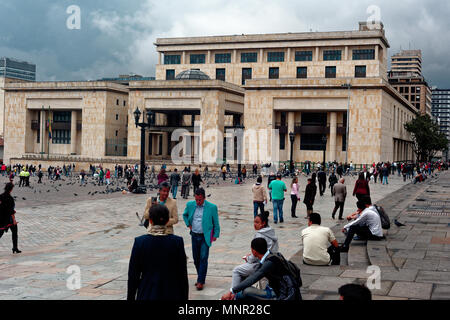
column 283, row 276
column 367, row 226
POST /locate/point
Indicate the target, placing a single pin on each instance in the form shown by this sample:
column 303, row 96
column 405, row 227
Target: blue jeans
column 277, row 209
column 174, row 191
column 257, row 205
column 200, row 253
column 253, row 294
column 385, row 179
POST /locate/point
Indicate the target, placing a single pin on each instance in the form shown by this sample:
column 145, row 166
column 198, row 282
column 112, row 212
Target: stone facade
column 92, row 107
column 211, row 103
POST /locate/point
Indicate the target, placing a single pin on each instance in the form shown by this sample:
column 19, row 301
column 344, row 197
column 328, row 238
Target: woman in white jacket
column 261, row 225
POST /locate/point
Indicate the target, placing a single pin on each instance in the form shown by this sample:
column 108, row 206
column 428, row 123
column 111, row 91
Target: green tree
column 427, row 138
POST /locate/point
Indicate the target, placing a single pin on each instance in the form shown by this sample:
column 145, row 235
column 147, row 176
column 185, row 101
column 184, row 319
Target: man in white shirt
column 316, row 243
column 367, row 226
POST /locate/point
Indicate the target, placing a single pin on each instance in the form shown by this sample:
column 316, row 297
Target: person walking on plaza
column 322, row 177
column 224, row 172
column 7, row 215
column 163, row 199
column 22, row 178
column 162, row 176
column 174, row 180
column 259, row 196
column 185, row 183
column 101, row 176
column 82, row 177
column 196, row 179
column 385, row 174
column 255, row 169
column 278, row 188
column 107, row 176
column 202, row 218
column 332, row 181
column 361, row 188
column 295, row 196
column 340, row 193
column 310, row 195
column 27, row 178
column 40, row 175
column 271, row 178
column 158, row 263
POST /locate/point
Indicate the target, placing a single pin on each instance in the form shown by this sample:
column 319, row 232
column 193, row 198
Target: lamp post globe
column 137, row 116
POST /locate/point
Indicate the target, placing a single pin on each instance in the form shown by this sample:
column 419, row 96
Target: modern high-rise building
column 441, row 110
column 406, row 76
column 14, row 69
column 407, row 63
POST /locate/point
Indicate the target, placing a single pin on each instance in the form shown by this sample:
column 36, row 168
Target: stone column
column 261, row 55
column 234, row 56
column 376, row 52
column 316, row 56
column 73, row 133
column 346, row 53
column 333, row 135
column 165, row 146
column 209, row 57
column 288, row 55
column 183, row 58
column 42, row 132
column 159, row 57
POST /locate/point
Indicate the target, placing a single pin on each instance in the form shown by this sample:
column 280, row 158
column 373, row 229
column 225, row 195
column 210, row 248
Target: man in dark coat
column 310, row 194
column 158, row 264
column 322, row 177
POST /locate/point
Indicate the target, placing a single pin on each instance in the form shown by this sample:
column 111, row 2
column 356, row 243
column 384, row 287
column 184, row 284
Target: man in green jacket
column 202, row 218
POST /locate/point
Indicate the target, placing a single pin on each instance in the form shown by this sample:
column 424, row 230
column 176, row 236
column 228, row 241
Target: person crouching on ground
column 261, row 225
column 281, row 285
column 316, row 244
column 158, row 264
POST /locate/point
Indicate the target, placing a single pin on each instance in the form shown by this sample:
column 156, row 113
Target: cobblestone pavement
column 96, row 233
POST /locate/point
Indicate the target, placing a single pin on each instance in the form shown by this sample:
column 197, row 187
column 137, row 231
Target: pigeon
column 208, row 195
column 24, row 198
column 76, row 195
column 398, row 224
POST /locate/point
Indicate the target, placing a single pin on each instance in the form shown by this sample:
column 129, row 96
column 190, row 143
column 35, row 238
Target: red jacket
column 108, row 175
column 361, row 187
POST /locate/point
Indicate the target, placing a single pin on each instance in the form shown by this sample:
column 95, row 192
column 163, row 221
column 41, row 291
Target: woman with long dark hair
column 295, row 196
column 7, row 215
column 361, row 187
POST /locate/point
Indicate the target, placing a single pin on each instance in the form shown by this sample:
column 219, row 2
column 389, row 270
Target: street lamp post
column 291, row 162
column 348, row 86
column 240, row 129
column 324, row 140
column 150, row 121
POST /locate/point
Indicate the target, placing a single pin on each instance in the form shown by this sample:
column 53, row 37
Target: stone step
column 378, row 254
column 357, row 255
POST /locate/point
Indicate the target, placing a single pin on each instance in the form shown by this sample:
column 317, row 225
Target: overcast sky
column 117, row 36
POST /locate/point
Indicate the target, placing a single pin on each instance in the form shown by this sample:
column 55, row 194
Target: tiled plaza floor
column 58, row 229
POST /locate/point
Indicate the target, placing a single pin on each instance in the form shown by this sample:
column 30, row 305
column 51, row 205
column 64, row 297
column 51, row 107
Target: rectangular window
column 249, row 57
column 312, row 142
column 124, row 103
column 282, row 141
column 360, row 71
column 223, row 57
column 220, row 74
column 344, row 136
column 402, row 90
column 62, row 116
column 197, row 58
column 246, row 74
column 172, row 59
column 274, row 73
column 330, row 72
column 406, row 89
column 170, row 74
column 275, row 56
column 117, row 117
column 330, row 55
column 365, row 54
column 117, row 102
column 61, row 136
column 413, row 89
column 117, row 133
column 303, row 55
column 302, row 72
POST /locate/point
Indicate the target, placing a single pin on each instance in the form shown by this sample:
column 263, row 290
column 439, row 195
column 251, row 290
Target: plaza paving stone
column 58, row 229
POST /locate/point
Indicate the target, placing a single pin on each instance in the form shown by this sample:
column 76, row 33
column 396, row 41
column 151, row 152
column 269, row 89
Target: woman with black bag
column 7, row 215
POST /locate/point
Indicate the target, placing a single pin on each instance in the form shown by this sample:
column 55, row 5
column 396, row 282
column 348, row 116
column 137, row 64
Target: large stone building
column 15, row 69
column 307, row 84
column 406, row 76
column 316, row 86
column 88, row 120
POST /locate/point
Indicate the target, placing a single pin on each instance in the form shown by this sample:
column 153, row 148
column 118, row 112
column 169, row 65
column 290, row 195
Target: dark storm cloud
column 117, row 36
